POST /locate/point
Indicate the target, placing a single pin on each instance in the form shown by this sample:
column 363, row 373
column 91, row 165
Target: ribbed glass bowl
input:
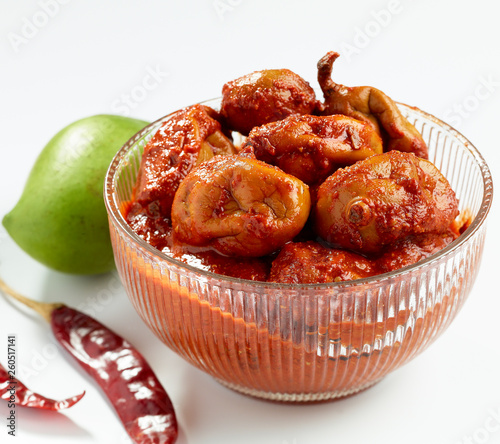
column 290, row 342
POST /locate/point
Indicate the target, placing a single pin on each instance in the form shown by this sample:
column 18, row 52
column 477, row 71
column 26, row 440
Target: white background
column 85, row 57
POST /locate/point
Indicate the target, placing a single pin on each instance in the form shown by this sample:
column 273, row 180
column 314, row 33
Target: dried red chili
column 130, row 384
column 13, row 390
column 138, row 397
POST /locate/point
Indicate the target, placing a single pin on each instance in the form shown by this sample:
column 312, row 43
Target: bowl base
column 297, row 397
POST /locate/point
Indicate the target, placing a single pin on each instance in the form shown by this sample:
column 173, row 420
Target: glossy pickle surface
column 304, row 342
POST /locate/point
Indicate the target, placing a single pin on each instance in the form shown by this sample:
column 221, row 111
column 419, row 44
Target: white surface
column 440, row 56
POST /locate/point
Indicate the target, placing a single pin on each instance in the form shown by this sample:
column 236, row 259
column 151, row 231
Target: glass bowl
column 289, row 342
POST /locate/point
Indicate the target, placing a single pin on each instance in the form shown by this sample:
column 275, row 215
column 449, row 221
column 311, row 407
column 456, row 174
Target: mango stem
column 44, row 309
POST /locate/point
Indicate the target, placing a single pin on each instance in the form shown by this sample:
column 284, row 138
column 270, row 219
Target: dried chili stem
column 44, row 309
column 23, row 395
column 119, row 369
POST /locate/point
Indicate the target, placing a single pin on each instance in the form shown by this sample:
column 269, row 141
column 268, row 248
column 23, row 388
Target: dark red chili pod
column 135, row 392
column 125, row 377
column 13, row 390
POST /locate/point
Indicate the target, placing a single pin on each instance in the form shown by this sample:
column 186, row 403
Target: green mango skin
column 60, row 219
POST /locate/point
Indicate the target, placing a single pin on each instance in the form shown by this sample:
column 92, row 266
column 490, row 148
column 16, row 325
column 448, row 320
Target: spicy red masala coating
column 310, row 263
column 313, row 147
column 158, row 233
column 185, row 139
column 370, row 105
column 265, row 96
column 240, row 207
column 382, row 199
column 229, row 214
column 414, row 248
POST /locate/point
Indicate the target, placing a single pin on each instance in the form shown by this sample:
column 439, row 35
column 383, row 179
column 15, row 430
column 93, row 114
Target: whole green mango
column 60, row 219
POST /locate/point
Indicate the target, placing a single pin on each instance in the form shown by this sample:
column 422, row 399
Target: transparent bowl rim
column 480, row 218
